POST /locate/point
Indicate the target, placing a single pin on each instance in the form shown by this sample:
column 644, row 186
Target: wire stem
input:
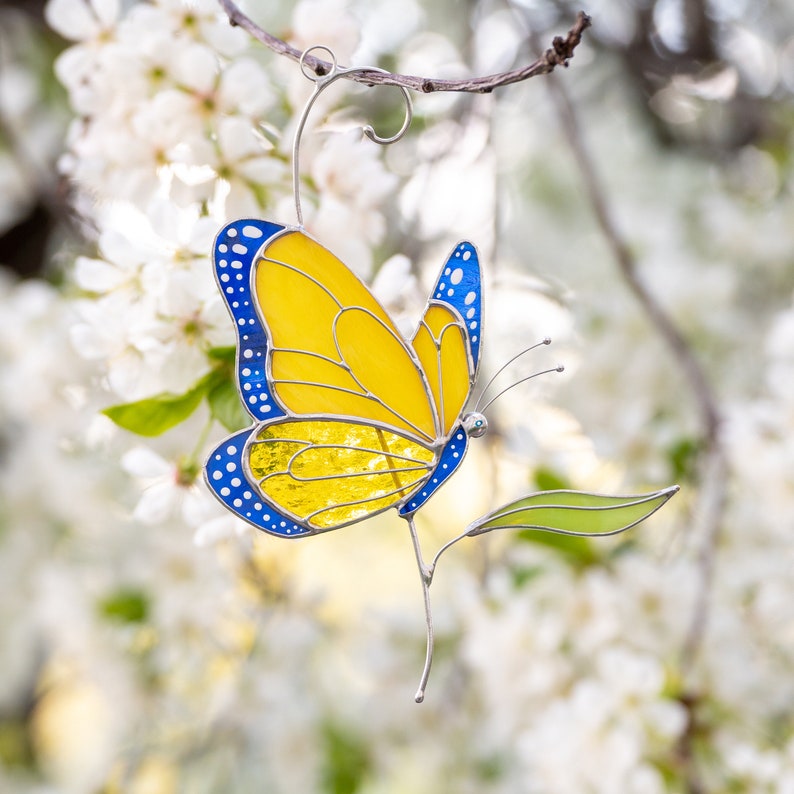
column 426, row 575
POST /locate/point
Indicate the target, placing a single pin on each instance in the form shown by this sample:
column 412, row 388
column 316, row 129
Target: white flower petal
column 238, row 140
column 107, row 11
column 393, row 278
column 245, row 87
column 196, row 67
column 214, row 530
column 261, row 170
column 144, row 462
column 87, row 342
column 157, row 503
column 80, row 19
column 199, row 506
column 328, row 21
column 95, row 275
column 118, row 247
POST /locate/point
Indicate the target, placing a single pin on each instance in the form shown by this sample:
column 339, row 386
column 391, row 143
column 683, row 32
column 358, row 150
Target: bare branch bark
column 561, row 51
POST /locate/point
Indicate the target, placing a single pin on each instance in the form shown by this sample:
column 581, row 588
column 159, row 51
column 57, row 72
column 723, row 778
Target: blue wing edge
column 459, row 285
column 234, row 254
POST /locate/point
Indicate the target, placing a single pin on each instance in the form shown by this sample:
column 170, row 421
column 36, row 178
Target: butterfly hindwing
column 226, row 477
column 451, row 457
column 327, row 473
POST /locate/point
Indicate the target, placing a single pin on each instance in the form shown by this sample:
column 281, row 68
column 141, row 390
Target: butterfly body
column 350, row 418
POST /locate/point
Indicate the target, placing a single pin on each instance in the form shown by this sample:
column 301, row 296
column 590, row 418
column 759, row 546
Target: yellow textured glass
column 379, row 360
column 349, row 360
column 440, row 345
column 294, row 461
column 309, row 368
column 317, row 263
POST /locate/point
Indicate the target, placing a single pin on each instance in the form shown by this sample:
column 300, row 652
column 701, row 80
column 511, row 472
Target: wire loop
column 322, row 81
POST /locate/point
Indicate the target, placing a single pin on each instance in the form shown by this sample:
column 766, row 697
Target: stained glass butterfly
column 350, row 418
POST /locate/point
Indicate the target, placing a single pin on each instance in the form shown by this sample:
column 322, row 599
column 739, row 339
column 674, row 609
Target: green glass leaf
column 225, row 406
column 154, row 415
column 573, row 513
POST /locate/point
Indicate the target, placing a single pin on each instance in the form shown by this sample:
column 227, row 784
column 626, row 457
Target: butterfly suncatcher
column 350, row 418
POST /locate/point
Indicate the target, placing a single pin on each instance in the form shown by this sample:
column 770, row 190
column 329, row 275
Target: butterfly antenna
column 545, row 341
column 559, row 368
column 322, row 81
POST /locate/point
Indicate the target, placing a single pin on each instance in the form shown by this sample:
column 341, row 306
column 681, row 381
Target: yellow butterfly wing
column 326, row 473
column 367, row 413
column 335, row 350
column 441, row 345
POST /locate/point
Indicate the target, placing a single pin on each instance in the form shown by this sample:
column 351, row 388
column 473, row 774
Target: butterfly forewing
column 441, row 345
column 334, row 348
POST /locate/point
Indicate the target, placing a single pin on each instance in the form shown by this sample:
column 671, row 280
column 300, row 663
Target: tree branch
column 561, row 51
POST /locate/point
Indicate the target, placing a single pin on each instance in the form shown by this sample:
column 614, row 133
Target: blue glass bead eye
column 475, row 424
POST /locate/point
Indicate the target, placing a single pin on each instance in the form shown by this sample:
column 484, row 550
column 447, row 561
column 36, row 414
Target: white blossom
column 169, row 488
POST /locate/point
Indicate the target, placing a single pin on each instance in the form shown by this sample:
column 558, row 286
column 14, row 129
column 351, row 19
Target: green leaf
column 154, row 415
column 683, row 456
column 522, row 575
column 346, row 760
column 225, row 406
column 549, row 480
column 126, row 605
column 226, row 354
column 16, row 748
column 573, row 513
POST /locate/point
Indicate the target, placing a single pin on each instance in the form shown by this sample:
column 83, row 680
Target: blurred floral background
column 636, row 207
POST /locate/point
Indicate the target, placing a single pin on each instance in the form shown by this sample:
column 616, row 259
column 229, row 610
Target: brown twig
column 561, row 51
